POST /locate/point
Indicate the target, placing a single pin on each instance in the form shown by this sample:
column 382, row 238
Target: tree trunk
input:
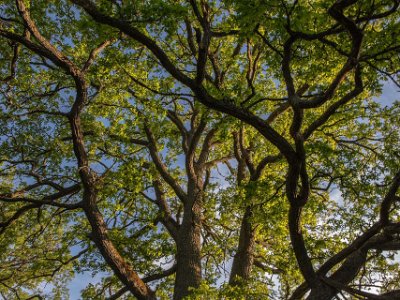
column 188, row 257
column 344, row 275
column 322, row 291
column 244, row 257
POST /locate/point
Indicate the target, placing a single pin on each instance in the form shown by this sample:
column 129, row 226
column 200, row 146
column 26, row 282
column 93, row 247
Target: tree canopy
column 199, row 149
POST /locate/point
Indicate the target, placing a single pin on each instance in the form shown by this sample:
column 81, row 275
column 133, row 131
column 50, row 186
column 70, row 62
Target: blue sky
column 80, row 282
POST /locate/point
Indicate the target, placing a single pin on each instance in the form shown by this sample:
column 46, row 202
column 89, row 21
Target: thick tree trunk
column 111, row 255
column 244, row 257
column 188, row 257
column 344, row 275
column 322, row 292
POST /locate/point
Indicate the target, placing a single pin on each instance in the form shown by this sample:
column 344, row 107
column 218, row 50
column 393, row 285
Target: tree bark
column 110, row 254
column 188, row 257
column 244, row 257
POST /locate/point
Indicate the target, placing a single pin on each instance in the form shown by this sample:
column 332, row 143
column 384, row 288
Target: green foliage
column 351, row 158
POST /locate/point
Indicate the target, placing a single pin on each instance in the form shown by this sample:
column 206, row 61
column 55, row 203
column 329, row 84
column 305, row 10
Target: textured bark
column 350, row 268
column 344, row 275
column 354, row 256
column 111, row 255
column 299, row 247
column 188, row 257
column 321, row 292
column 244, row 257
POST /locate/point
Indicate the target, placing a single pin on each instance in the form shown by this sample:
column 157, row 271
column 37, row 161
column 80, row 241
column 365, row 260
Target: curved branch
column 161, row 167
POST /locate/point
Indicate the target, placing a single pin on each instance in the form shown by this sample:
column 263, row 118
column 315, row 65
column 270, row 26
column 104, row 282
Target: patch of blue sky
column 82, row 281
column 390, row 94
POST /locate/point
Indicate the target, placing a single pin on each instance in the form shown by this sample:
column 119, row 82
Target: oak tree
column 200, row 149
